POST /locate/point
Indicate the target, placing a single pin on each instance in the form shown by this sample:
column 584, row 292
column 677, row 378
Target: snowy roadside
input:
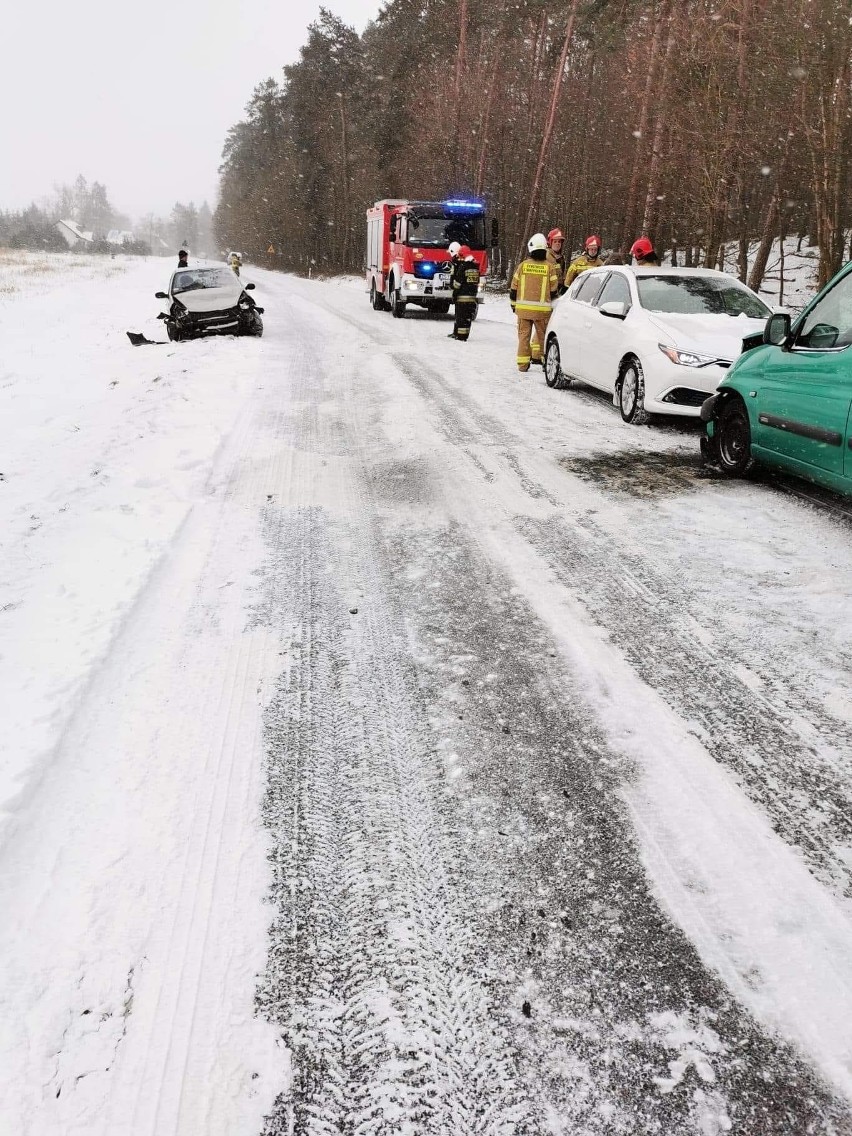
column 131, row 853
column 105, row 450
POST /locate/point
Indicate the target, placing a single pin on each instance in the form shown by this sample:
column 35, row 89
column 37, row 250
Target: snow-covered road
column 393, row 745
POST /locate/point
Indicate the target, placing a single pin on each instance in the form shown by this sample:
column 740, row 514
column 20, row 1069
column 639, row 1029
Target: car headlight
column 686, row 358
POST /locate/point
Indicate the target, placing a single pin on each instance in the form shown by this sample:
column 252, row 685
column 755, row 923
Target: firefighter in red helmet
column 590, row 257
column 643, row 253
column 555, row 251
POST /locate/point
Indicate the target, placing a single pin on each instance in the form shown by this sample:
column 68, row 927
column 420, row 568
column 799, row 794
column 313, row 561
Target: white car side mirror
column 617, row 309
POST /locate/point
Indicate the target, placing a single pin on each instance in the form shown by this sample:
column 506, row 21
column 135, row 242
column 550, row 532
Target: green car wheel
column 733, row 439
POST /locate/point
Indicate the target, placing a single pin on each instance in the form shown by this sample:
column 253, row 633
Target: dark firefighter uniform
column 464, row 282
column 535, row 285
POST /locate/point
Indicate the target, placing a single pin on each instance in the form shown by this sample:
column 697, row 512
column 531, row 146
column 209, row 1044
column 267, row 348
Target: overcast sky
column 138, row 96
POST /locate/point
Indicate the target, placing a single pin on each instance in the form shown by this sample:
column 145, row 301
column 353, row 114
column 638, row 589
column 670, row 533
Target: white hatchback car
column 209, row 301
column 659, row 340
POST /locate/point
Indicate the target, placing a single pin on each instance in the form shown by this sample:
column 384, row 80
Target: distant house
column 120, row 237
column 73, row 234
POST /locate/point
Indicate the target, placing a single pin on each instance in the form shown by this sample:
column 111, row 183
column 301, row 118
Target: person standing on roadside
column 556, row 254
column 465, row 285
column 590, row 257
column 535, row 285
column 183, row 259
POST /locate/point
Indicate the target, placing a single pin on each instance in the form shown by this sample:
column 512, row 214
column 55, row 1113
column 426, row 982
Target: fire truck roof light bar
column 466, row 206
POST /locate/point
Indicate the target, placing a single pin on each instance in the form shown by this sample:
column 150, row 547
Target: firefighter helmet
column 537, row 242
column 593, row 240
column 555, row 235
column 454, row 248
column 642, row 247
column 464, row 252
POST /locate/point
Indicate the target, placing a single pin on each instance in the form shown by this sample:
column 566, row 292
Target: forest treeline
column 697, row 122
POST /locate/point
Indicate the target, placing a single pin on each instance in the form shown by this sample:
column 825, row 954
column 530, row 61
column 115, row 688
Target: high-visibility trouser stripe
column 465, row 299
column 521, row 359
column 535, row 309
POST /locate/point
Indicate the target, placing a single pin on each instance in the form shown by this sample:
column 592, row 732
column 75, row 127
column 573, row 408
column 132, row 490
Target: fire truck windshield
column 436, row 229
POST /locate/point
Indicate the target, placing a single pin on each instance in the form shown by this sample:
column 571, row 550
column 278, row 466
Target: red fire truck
column 407, row 257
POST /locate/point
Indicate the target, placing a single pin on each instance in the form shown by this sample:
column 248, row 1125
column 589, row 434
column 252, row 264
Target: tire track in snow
column 801, row 783
column 620, row 1007
column 786, row 749
column 372, row 972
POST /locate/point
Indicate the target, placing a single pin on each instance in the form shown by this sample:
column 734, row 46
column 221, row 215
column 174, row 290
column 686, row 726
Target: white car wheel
column 553, row 373
column 631, row 394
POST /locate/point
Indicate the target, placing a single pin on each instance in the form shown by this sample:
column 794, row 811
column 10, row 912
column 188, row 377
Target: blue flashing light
column 425, row 268
column 462, row 206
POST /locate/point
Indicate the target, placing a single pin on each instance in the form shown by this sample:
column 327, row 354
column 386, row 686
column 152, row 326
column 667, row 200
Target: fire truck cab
column 407, row 257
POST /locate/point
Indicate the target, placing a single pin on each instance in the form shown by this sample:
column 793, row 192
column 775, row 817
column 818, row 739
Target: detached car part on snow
column 209, row 301
column 787, row 403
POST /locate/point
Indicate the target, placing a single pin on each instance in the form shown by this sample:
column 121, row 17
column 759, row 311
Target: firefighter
column 465, row 285
column 590, row 257
column 535, row 285
column 556, row 253
column 643, row 254
column 555, row 258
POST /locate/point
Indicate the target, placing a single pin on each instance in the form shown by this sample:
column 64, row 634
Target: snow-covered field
column 390, row 744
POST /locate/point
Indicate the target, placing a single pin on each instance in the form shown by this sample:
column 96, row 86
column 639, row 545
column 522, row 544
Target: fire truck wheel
column 397, row 304
column 377, row 300
column 440, row 307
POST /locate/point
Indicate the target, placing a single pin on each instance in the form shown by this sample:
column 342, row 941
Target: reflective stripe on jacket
column 534, row 284
column 465, row 281
column 580, row 265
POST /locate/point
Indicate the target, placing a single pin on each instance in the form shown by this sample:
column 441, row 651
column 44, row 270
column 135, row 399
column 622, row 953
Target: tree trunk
column 486, row 122
column 764, row 248
column 344, row 158
column 460, row 62
column 535, row 193
column 631, row 205
column 659, row 126
column 729, row 158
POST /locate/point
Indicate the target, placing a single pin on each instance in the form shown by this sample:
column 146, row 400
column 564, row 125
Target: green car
column 787, row 401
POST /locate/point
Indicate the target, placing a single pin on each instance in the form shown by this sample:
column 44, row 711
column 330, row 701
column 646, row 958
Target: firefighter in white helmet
column 535, row 285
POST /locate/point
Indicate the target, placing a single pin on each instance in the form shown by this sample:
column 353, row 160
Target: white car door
column 606, row 335
column 578, row 309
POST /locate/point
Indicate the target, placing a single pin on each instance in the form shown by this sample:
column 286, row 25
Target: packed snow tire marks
column 372, row 972
column 786, row 749
column 771, row 746
column 595, row 979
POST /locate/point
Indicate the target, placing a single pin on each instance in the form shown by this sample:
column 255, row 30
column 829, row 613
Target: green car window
column 829, row 322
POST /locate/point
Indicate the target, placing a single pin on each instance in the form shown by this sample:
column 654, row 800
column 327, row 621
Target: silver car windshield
column 698, row 295
column 194, row 278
